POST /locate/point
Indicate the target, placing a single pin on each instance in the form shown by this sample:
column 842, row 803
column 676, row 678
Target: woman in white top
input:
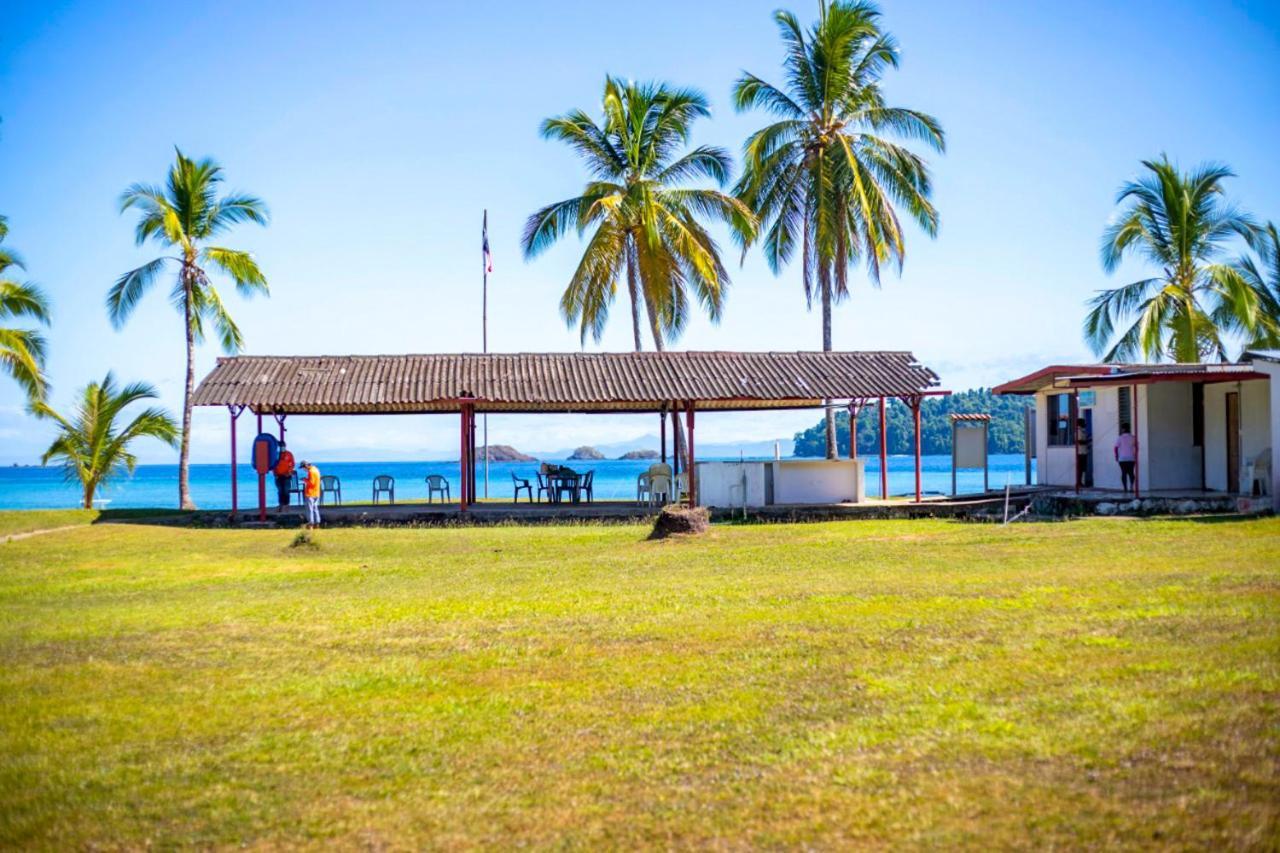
column 1126, row 451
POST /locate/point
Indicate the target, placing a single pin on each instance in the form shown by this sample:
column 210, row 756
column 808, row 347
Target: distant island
column 506, row 453
column 639, row 454
column 935, row 425
column 585, row 453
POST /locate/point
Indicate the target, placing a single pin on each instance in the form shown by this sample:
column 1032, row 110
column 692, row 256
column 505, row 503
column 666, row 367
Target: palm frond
column 129, row 290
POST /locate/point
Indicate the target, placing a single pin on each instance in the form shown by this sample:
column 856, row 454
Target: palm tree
column 1263, row 277
column 22, row 351
column 91, row 446
column 647, row 223
column 183, row 216
column 1181, row 224
column 831, row 174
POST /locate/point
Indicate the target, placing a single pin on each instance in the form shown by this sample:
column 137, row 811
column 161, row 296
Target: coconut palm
column 183, row 217
column 1262, row 274
column 22, row 351
column 830, row 175
column 91, row 445
column 1181, row 224
column 647, row 223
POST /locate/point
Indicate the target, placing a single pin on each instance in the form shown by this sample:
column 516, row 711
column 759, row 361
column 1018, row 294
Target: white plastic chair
column 659, row 489
column 1258, row 473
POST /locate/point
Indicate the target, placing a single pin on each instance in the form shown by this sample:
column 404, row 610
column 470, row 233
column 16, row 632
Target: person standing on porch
column 1126, row 451
column 1083, row 441
column 311, row 494
column 284, row 475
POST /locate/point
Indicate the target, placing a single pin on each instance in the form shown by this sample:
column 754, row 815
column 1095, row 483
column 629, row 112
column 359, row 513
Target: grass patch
column 1093, row 683
column 28, row 520
column 25, row 521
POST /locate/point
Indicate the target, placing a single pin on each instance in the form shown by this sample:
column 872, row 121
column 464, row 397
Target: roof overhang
column 1088, row 375
column 1046, row 377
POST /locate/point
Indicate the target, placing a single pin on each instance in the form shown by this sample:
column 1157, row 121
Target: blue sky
column 378, row 132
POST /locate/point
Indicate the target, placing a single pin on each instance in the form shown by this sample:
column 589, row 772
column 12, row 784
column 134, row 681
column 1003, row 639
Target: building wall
column 1256, row 428
column 1272, row 369
column 1171, row 460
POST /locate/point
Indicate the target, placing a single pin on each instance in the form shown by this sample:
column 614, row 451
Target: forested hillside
column 1006, row 425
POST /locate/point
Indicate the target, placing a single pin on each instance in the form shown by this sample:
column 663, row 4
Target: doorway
column 1233, row 442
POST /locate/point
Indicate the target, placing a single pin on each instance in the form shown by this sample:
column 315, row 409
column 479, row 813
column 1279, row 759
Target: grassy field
column 1093, row 683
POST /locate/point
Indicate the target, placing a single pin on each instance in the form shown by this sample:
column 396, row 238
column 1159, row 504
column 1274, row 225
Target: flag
column 488, row 258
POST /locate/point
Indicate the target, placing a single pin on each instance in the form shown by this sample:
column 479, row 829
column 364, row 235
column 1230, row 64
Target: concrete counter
column 788, row 481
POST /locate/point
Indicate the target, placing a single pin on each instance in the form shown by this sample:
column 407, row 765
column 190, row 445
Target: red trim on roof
column 1207, row 378
column 1033, row 382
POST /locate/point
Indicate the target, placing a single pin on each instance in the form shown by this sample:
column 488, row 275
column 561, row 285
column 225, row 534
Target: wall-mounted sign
column 1087, row 398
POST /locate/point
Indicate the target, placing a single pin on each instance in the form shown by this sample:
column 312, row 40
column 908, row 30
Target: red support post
column 462, row 458
column 262, row 481
column 884, row 453
column 915, row 414
column 1133, row 405
column 693, row 486
column 471, row 486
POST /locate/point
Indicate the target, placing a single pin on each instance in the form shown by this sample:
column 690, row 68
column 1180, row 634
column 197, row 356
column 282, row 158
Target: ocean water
column 157, row 485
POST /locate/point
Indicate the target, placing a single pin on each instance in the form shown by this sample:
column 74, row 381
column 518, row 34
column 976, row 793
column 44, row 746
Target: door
column 1233, row 442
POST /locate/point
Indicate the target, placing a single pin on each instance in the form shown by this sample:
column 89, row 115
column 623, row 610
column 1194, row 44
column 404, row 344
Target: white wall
column 1272, row 369
column 817, row 481
column 1258, row 427
column 1171, row 460
column 824, row 481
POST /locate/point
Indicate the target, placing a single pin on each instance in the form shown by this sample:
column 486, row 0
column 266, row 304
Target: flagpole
column 484, row 336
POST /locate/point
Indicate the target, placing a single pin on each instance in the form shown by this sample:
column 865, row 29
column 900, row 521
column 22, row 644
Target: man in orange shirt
column 284, row 475
column 311, row 494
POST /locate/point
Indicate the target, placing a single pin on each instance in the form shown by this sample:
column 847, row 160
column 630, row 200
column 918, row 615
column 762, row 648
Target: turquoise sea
column 157, row 485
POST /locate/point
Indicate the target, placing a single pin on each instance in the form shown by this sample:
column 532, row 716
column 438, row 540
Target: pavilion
column 468, row 384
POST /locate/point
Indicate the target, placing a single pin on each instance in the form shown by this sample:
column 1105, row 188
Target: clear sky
column 378, row 132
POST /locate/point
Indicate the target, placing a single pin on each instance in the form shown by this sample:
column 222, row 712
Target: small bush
column 304, row 539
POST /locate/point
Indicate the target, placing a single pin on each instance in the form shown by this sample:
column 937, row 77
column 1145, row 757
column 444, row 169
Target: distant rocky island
column 506, row 453
column 585, row 453
column 639, row 454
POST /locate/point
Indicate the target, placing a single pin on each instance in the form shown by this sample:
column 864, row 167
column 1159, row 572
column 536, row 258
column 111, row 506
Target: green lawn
column 1095, row 683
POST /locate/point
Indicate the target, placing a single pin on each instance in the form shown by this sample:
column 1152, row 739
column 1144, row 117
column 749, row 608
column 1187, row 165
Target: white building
column 1199, row 427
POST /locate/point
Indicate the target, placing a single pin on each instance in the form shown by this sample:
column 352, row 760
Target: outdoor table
column 563, row 481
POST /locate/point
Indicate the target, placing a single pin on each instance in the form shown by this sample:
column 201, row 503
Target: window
column 1124, row 407
column 1197, row 415
column 1061, row 415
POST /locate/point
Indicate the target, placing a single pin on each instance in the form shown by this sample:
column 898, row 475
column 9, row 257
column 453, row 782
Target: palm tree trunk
column 184, row 451
column 634, row 290
column 824, row 279
column 88, row 496
column 677, row 432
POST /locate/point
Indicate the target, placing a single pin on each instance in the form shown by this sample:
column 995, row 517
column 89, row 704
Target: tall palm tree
column 647, row 223
column 183, row 216
column 830, row 175
column 1262, row 275
column 22, row 351
column 91, row 445
column 1180, row 223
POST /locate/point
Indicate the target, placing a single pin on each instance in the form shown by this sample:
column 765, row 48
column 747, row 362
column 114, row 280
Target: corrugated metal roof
column 1120, row 374
column 556, row 382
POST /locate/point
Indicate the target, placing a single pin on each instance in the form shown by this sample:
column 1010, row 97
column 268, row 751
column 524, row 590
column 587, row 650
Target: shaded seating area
column 669, row 385
column 560, row 482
